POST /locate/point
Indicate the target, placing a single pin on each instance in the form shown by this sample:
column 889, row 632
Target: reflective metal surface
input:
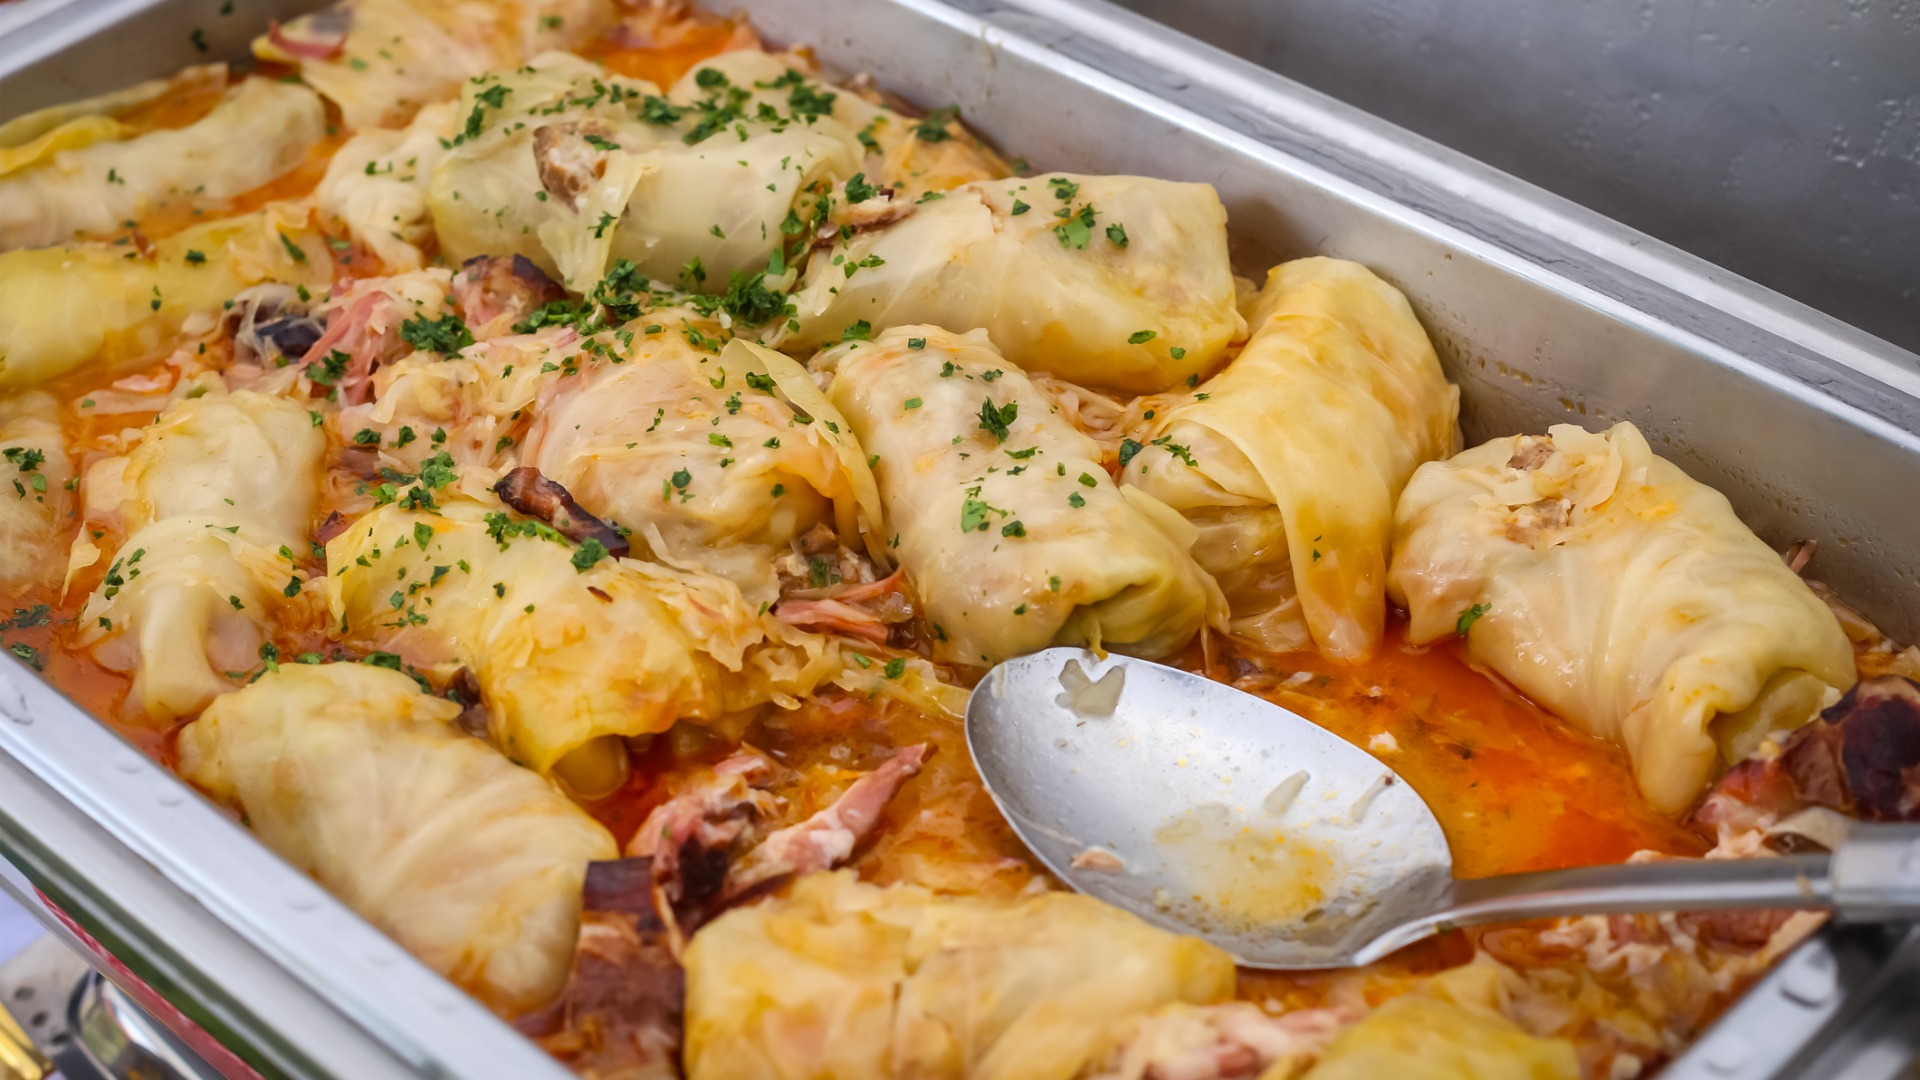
column 1779, row 140
column 1206, row 810
column 1543, row 312
column 1210, row 811
column 113, row 1039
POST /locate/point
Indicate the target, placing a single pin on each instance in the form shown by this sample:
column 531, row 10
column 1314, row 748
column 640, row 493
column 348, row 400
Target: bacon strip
column 320, row 48
column 489, row 286
column 833, row 616
column 827, row 838
column 534, row 495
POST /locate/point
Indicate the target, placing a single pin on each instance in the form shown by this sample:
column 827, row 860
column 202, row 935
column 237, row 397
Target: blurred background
column 1777, row 138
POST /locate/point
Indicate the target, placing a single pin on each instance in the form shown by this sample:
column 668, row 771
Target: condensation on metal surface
column 1778, row 139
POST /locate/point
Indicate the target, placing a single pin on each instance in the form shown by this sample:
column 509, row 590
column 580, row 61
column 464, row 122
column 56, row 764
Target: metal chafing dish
column 1542, row 312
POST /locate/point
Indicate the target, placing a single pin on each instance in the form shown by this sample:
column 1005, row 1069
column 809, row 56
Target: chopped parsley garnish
column 934, row 127
column 1076, row 230
column 1468, row 617
column 1013, row 528
column 327, row 370
column 1141, row 337
column 858, row 190
column 860, row 331
column 1117, row 233
column 995, row 419
column 504, row 529
column 973, row 514
column 917, row 343
column 446, row 334
column 749, row 300
column 590, row 552
column 1129, row 448
column 658, row 110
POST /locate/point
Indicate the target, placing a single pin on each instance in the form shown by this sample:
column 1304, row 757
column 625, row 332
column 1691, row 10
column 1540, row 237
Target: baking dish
column 1541, row 312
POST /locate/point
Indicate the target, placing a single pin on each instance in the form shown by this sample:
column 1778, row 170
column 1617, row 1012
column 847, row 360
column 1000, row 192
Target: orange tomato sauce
column 1515, row 788
column 662, row 47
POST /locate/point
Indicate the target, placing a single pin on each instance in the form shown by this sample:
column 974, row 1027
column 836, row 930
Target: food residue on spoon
column 1099, row 859
column 1242, row 874
column 1358, row 812
column 1088, row 696
column 1280, row 799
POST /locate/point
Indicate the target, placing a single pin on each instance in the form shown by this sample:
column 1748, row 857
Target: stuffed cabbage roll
column 1288, row 462
column 857, row 982
column 106, row 305
column 380, row 60
column 216, row 501
column 32, row 138
column 1621, row 594
column 572, row 648
column 35, row 505
column 1013, row 533
column 355, row 776
column 1423, row 1037
column 261, row 129
column 934, row 153
column 718, row 461
column 574, row 167
column 1130, row 290
column 375, row 189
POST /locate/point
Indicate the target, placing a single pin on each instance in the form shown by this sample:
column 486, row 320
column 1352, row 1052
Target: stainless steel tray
column 1543, row 313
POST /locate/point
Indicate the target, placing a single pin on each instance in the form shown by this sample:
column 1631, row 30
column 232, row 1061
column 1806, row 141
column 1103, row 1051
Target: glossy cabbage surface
column 356, row 776
column 1620, row 593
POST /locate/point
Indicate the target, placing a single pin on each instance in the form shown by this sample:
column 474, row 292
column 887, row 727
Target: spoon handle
column 1874, row 876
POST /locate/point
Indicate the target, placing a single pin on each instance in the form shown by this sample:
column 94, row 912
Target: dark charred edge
column 511, row 282
column 623, row 885
column 334, row 525
column 464, row 690
column 623, row 1011
column 534, row 495
column 1862, row 757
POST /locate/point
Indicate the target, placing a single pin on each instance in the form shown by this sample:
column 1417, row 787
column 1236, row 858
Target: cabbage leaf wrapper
column 1013, row 533
column 1289, row 461
column 354, row 775
column 214, row 504
column 105, row 306
column 574, row 167
column 381, row 60
column 1620, row 593
column 35, row 499
column 858, row 982
column 1131, row 292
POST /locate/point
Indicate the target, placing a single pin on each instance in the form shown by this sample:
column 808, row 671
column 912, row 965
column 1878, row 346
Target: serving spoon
column 1206, row 810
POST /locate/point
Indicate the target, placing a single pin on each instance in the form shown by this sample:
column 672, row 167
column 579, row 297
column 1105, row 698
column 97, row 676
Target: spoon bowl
column 1204, row 809
column 1209, row 811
